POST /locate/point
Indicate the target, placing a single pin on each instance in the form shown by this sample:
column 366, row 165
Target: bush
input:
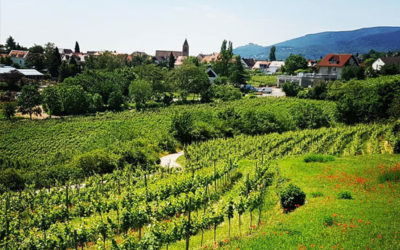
column 10, row 179
column 291, row 88
column 292, row 197
column 263, row 122
column 353, row 72
column 328, row 221
column 345, row 195
column 317, row 194
column 310, row 115
column 318, row 158
column 226, row 92
column 115, row 101
column 9, row 110
column 94, row 162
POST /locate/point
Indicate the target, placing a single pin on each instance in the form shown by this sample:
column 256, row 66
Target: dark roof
column 249, row 61
column 335, row 60
column 391, row 60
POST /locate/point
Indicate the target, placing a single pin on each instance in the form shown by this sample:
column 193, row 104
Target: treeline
column 372, row 99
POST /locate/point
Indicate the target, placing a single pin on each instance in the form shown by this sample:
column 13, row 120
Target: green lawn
column 369, row 221
column 263, row 80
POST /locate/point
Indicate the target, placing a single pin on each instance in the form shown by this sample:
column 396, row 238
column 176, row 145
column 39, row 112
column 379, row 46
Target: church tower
column 185, row 50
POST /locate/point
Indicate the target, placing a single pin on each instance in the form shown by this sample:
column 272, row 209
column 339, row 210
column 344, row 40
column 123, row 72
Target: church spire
column 185, row 50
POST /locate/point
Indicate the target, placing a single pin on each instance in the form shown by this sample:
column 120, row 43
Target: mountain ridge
column 317, row 45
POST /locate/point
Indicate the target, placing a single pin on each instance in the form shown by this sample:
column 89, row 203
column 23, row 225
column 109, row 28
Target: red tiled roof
column 335, row 60
column 18, row 53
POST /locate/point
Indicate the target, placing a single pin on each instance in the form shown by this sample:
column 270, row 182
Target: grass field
column 368, row 221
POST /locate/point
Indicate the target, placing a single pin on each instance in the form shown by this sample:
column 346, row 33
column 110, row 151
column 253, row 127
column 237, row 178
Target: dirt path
column 170, row 160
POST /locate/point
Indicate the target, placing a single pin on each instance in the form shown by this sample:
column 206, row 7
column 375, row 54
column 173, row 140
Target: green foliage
column 317, row 194
column 182, row 126
column 263, row 80
column 344, row 195
column 10, row 179
column 262, row 122
column 53, row 59
column 52, row 102
column 29, row 100
column 106, row 61
column 238, row 75
column 222, row 65
column 115, row 101
column 390, row 175
column 390, row 69
column 272, row 56
column 226, row 92
column 353, row 72
column 311, row 115
column 328, row 221
column 141, row 92
column 292, row 197
column 293, row 63
column 74, row 100
column 291, row 88
column 94, row 162
column 9, row 110
column 318, row 158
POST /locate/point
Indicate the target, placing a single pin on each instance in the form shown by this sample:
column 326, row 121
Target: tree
column 295, row 62
column 77, row 49
column 29, row 100
column 74, row 99
column 291, row 88
column 171, row 61
column 182, row 127
column 116, row 100
column 224, row 59
column 52, row 103
column 140, row 91
column 390, row 69
column 10, row 44
column 68, row 69
column 36, row 61
column 53, row 59
column 272, row 56
column 189, row 79
column 353, row 72
column 9, row 110
column 238, row 76
column 36, row 49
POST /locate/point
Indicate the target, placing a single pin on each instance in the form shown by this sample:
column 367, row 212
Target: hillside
column 314, row 46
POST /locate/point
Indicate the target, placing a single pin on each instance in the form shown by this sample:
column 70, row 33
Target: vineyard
column 45, row 149
column 223, row 180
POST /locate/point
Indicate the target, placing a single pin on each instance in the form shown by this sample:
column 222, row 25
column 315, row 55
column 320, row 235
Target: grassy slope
column 370, row 220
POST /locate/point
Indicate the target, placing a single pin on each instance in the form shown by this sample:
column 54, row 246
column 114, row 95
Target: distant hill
column 317, row 45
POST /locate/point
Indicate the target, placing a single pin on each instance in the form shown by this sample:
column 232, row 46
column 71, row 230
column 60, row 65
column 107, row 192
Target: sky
column 146, row 25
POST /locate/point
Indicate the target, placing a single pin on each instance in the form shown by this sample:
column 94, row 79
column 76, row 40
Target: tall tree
column 10, row 44
column 29, row 100
column 171, row 61
column 77, row 49
column 272, row 56
column 238, row 74
column 53, row 59
column 224, row 59
column 140, row 91
column 52, row 102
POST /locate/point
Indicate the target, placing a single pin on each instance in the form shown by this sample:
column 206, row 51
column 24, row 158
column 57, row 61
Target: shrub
column 291, row 88
column 328, row 221
column 263, row 122
column 94, row 162
column 318, row 158
column 345, row 195
column 291, row 197
column 12, row 180
column 310, row 115
column 9, row 110
column 317, row 194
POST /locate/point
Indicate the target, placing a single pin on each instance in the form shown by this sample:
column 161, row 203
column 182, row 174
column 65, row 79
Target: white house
column 275, row 66
column 380, row 62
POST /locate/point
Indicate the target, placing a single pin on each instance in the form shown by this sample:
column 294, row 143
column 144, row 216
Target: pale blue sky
column 130, row 25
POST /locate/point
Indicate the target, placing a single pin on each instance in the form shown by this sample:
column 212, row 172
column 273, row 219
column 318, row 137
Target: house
column 65, row 51
column 179, row 61
column 209, row 58
column 18, row 57
column 275, row 66
column 261, row 65
column 162, row 55
column 248, row 62
column 377, row 65
column 211, row 74
column 333, row 64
